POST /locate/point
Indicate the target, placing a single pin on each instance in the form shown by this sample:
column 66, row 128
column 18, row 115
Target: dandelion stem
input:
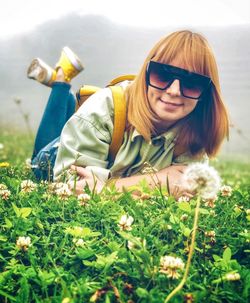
column 191, row 250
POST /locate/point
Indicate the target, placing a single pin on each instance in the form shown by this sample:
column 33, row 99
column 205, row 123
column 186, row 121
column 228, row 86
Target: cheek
column 190, row 106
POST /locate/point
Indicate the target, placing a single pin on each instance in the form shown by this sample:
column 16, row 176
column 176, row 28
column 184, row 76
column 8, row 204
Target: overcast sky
column 18, row 16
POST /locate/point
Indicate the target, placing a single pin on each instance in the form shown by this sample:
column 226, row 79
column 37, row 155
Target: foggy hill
column 108, row 50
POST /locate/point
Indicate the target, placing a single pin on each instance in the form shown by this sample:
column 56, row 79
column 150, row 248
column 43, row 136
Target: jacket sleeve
column 86, row 137
column 187, row 158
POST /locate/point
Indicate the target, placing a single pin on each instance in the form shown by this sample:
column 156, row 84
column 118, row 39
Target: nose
column 174, row 89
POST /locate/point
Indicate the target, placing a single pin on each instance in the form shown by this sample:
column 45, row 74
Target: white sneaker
column 41, row 71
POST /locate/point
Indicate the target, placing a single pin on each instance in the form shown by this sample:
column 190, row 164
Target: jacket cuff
column 102, row 174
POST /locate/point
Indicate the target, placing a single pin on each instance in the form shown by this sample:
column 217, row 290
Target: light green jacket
column 86, row 137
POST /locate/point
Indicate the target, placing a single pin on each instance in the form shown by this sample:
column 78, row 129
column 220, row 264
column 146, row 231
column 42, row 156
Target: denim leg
column 60, row 107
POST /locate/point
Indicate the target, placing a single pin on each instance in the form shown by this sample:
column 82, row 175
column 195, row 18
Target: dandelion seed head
column 202, row 179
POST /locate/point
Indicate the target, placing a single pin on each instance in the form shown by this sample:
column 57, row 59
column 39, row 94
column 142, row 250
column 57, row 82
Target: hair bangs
column 188, row 49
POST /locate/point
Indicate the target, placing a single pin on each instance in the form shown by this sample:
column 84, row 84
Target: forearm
column 170, row 176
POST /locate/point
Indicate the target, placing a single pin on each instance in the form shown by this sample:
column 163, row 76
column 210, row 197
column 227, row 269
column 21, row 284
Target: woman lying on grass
column 175, row 115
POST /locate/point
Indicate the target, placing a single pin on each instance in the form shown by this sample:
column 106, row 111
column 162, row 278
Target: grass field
column 79, row 250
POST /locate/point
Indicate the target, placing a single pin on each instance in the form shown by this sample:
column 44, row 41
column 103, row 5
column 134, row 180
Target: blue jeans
column 60, row 107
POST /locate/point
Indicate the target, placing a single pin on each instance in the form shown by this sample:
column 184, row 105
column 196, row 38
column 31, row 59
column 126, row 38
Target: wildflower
column 145, row 196
column 1, row 146
column 183, row 199
column 2, row 186
column 188, row 298
column 66, row 300
column 210, row 202
column 126, row 222
column 134, row 245
column 148, row 169
column 202, row 179
column 78, row 242
column 27, row 186
column 212, row 213
column 4, row 164
column 248, row 211
column 63, row 192
column 23, row 243
column 210, row 233
column 28, row 163
column 83, row 199
column 55, row 185
column 5, row 194
column 184, row 217
column 226, row 191
column 169, row 266
column 232, row 276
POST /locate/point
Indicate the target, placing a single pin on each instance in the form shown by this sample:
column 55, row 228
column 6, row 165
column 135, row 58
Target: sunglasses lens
column 192, row 88
column 161, row 76
column 158, row 77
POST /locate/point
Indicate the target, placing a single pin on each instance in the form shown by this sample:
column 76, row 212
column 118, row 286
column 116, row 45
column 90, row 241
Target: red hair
column 208, row 124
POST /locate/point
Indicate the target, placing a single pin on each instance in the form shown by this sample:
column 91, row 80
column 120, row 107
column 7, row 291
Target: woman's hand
column 174, row 175
column 86, row 178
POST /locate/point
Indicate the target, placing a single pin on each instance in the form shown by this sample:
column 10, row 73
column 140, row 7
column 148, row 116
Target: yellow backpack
column 119, row 109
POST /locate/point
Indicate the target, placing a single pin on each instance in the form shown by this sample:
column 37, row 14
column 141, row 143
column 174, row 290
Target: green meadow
column 119, row 247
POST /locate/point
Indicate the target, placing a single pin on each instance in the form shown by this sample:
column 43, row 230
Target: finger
column 81, row 171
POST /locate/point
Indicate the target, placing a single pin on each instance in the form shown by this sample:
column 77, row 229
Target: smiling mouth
column 170, row 103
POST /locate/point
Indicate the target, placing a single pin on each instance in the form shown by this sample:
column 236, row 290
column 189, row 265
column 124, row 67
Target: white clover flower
column 3, row 186
column 55, row 185
column 169, row 266
column 210, row 233
column 126, row 222
column 5, row 194
column 184, row 217
column 78, row 242
column 23, row 243
column 1, row 146
column 63, row 192
column 28, row 186
column 211, row 201
column 232, row 276
column 226, row 191
column 83, row 199
column 202, row 179
column 183, row 199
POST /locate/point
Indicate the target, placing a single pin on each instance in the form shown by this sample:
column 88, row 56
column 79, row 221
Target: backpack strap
column 121, row 78
column 119, row 120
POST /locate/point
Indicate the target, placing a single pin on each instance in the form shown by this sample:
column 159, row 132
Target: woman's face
column 169, row 105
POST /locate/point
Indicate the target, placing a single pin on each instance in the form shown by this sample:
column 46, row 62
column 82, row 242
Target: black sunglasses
column 161, row 76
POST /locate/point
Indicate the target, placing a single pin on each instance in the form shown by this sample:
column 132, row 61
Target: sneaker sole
column 76, row 62
column 40, row 71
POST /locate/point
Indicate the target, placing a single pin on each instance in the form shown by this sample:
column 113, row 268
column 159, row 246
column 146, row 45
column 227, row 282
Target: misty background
column 108, row 50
